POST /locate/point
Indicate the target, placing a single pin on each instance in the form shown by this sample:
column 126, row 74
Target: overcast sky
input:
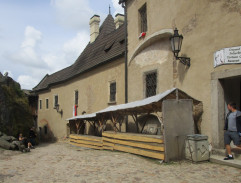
column 39, row 37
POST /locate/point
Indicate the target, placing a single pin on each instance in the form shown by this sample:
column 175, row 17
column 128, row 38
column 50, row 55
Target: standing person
column 232, row 129
column 32, row 136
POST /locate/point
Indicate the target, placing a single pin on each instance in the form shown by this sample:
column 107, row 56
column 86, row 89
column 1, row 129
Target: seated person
column 25, row 141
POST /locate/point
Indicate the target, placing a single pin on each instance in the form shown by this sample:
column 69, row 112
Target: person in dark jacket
column 32, row 136
column 232, row 129
column 25, row 141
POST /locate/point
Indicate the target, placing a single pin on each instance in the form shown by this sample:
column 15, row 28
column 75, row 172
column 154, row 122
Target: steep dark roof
column 108, row 46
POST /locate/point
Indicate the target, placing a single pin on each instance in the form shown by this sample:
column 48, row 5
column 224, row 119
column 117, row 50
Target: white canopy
column 150, row 104
column 85, row 116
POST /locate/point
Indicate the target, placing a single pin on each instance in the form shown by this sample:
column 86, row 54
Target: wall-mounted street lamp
column 57, row 109
column 176, row 42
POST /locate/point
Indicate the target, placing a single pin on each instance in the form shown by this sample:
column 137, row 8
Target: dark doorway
column 232, row 91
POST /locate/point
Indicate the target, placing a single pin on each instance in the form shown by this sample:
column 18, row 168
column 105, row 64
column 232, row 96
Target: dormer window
column 108, row 46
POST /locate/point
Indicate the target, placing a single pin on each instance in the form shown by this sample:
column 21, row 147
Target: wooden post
column 78, row 126
column 102, row 124
column 134, row 116
column 114, row 121
column 77, row 123
column 144, row 125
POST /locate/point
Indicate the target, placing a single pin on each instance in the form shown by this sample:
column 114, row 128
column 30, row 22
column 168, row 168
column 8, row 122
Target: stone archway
column 44, row 131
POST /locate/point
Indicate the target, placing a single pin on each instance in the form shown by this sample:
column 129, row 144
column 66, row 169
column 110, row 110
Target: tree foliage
column 15, row 113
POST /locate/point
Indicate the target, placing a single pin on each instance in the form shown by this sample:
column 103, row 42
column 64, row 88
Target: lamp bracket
column 184, row 60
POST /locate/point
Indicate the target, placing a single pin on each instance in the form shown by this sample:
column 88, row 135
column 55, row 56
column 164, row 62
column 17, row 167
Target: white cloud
column 118, row 7
column 76, row 45
column 38, row 63
column 32, row 36
column 69, row 53
column 27, row 52
column 27, row 82
column 73, row 13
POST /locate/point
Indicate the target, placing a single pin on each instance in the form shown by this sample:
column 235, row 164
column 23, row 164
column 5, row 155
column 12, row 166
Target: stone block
column 197, row 148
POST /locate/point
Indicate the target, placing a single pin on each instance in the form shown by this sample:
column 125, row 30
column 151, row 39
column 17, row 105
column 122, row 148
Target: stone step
column 222, row 152
column 219, row 160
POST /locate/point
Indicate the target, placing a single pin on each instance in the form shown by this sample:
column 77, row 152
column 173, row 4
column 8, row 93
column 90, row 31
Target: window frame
column 142, row 12
column 109, row 96
column 145, row 82
column 76, row 103
column 40, row 104
column 47, row 103
column 54, row 101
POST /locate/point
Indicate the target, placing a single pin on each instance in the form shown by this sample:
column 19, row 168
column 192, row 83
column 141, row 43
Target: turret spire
column 109, row 10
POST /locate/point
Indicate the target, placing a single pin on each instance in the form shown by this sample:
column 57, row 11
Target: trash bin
column 197, row 148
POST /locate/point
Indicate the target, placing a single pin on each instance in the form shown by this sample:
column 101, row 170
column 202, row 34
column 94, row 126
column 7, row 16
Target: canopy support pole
column 134, row 116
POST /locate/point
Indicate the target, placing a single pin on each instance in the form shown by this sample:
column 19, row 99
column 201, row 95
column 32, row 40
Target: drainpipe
column 126, row 62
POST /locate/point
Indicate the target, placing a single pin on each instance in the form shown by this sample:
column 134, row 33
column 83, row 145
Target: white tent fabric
column 138, row 103
column 130, row 105
column 85, row 116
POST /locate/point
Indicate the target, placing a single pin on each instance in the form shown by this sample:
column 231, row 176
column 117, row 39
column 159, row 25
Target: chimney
column 119, row 20
column 94, row 27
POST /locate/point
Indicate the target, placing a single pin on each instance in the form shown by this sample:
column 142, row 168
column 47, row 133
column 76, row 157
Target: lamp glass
column 176, row 42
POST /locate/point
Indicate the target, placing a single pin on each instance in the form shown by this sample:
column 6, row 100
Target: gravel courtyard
column 61, row 162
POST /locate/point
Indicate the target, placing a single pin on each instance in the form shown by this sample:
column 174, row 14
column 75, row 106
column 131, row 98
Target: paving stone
column 60, row 162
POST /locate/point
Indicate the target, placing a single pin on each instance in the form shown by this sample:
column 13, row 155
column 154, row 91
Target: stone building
column 94, row 81
column 211, row 40
column 208, row 27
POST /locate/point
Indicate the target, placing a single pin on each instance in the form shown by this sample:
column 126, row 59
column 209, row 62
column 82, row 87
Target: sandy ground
column 61, row 162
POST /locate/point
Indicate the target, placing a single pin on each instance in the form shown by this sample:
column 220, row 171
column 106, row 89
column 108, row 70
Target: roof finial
column 109, row 10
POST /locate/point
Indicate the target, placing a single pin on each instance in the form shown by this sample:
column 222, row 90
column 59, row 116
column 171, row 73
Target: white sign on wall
column 227, row 56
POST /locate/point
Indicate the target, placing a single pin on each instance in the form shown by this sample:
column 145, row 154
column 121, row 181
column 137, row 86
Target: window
column 45, row 129
column 40, row 104
column 112, row 91
column 56, row 102
column 47, row 103
column 151, row 84
column 143, row 18
column 76, row 97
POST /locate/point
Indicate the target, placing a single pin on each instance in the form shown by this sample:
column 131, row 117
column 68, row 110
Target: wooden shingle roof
column 107, row 47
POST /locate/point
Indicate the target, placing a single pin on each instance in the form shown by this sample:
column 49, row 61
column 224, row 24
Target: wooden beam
column 86, row 142
column 134, row 144
column 85, row 137
column 84, row 145
column 132, row 150
column 128, row 136
column 108, row 148
column 134, row 116
column 108, row 144
column 114, row 121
